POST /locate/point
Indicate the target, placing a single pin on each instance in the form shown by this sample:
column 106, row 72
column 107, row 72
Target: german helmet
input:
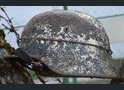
column 70, row 44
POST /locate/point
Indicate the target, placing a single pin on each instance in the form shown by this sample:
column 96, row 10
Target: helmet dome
column 79, row 45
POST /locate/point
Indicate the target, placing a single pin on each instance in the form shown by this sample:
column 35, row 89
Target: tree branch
column 9, row 21
column 121, row 73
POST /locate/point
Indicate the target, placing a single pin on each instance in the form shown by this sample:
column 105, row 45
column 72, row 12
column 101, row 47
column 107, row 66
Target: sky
column 22, row 14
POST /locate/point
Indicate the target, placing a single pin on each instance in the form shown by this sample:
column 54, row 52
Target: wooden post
column 11, row 72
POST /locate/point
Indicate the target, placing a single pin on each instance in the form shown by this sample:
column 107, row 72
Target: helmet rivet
column 42, row 41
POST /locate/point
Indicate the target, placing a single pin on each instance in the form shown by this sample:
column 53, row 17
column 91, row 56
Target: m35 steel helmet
column 69, row 43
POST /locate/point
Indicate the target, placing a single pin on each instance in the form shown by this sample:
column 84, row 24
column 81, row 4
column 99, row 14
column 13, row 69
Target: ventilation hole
column 66, row 29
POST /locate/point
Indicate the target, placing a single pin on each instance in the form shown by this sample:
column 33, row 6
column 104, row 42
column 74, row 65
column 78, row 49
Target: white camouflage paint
column 70, row 59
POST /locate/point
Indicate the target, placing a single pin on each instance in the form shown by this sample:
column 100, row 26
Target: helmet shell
column 66, row 58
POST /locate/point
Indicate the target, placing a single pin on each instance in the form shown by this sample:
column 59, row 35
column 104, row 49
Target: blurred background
column 112, row 18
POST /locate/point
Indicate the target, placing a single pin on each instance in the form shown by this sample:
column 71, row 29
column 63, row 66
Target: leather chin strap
column 28, row 62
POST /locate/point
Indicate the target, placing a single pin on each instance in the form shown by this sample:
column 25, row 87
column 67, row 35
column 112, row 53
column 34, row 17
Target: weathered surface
column 121, row 73
column 11, row 72
column 65, row 58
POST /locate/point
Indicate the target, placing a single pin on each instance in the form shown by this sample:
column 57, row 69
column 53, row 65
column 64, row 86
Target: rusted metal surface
column 101, row 47
column 66, row 58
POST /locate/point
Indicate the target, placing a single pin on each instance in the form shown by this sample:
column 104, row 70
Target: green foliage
column 34, row 76
column 0, row 82
column 2, row 34
column 3, row 42
column 1, row 60
column 117, row 62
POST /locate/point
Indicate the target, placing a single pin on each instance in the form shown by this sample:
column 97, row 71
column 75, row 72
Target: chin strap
column 28, row 62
